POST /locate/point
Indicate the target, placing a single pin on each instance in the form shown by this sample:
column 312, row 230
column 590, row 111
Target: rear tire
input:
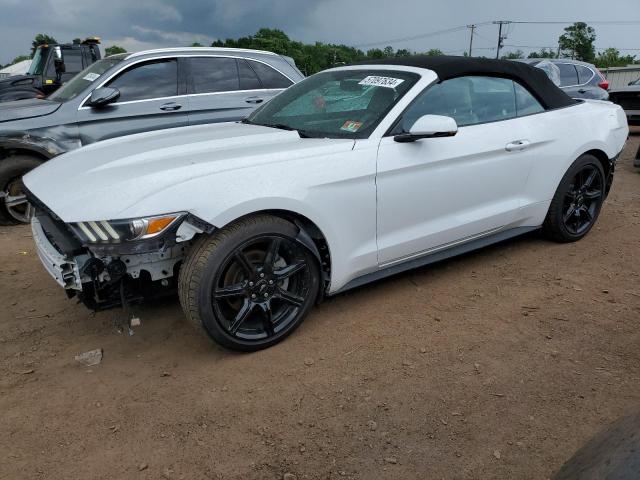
column 577, row 202
column 250, row 284
column 13, row 210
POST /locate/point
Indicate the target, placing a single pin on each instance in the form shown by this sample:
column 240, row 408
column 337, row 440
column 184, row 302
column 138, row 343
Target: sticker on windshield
column 351, row 126
column 91, row 77
column 376, row 81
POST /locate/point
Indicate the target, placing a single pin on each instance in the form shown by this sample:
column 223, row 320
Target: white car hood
column 103, row 181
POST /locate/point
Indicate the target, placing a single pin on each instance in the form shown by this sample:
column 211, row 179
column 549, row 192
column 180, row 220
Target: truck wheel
column 576, row 204
column 14, row 208
column 249, row 285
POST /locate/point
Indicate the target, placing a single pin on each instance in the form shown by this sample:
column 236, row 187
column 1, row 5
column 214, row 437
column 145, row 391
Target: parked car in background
column 131, row 93
column 578, row 79
column 629, row 99
column 351, row 175
column 51, row 67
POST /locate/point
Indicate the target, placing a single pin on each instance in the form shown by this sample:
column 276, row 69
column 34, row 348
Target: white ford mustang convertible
column 351, row 175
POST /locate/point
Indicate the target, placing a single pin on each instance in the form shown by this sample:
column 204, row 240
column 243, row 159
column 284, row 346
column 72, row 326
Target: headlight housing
column 129, row 230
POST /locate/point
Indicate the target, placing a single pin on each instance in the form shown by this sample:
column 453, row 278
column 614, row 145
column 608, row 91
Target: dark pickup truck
column 52, row 65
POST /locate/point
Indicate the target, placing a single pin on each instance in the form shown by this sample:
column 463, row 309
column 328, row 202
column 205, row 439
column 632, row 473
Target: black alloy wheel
column 251, row 284
column 577, row 202
column 583, row 199
column 261, row 287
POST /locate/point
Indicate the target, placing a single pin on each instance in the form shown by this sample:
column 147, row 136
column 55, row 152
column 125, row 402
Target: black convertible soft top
column 534, row 79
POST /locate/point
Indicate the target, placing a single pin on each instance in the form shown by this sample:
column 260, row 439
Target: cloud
column 142, row 24
column 155, row 37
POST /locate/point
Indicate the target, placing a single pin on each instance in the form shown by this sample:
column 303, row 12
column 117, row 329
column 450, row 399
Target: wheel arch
column 602, row 157
column 311, row 235
column 10, row 147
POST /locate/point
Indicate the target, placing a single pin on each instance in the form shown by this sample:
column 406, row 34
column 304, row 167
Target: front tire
column 577, row 202
column 249, row 285
column 14, row 208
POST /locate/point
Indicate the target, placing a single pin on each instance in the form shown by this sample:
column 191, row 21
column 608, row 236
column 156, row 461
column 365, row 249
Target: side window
column 248, row 78
column 213, row 74
column 568, row 74
column 269, row 77
column 51, row 68
column 526, row 104
column 155, row 79
column 72, row 60
column 584, row 74
column 469, row 100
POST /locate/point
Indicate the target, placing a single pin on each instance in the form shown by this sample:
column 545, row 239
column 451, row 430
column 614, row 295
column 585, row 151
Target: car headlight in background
column 117, row 231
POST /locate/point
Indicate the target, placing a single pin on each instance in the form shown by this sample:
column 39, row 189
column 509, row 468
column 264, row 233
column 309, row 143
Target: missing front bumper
column 64, row 271
column 103, row 281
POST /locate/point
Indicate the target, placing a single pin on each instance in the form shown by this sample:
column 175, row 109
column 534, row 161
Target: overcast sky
column 141, row 24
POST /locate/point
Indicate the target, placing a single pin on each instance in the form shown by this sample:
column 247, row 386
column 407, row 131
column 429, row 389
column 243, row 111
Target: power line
column 591, row 22
column 415, row 37
column 551, row 47
column 501, row 23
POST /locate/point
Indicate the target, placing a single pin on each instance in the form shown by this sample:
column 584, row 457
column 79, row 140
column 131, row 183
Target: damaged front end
column 110, row 264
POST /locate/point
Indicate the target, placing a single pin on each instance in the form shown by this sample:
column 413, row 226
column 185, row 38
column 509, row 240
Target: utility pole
column 473, row 28
column 500, row 37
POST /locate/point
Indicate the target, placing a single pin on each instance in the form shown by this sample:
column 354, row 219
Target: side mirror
column 429, row 126
column 103, row 96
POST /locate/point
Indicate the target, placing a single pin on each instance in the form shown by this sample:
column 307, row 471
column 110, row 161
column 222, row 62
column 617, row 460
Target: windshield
column 81, row 81
column 38, row 62
column 336, row 104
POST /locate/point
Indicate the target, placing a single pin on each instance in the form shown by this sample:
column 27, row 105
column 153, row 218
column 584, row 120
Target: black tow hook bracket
column 132, row 320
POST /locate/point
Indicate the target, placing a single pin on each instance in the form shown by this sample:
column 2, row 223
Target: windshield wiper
column 282, row 126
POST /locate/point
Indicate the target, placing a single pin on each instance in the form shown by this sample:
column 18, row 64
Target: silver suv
column 578, row 79
column 132, row 93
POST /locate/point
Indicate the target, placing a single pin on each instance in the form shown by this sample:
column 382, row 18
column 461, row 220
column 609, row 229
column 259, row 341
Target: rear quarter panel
column 558, row 138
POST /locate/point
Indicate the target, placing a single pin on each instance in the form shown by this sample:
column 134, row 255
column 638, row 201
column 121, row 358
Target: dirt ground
column 497, row 364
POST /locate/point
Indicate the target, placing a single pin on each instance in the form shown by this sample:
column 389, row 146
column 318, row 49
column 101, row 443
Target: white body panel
column 375, row 201
column 435, row 192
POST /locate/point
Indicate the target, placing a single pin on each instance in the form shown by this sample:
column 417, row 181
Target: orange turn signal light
column 158, row 224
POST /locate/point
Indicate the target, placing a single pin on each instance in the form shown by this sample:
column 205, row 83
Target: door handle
column 582, row 90
column 254, row 100
column 170, row 107
column 517, row 145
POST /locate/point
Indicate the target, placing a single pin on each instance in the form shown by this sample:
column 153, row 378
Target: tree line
column 577, row 41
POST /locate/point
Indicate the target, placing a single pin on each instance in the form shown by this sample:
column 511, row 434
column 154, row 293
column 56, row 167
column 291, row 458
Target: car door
column 150, row 99
column 434, row 193
column 223, row 89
